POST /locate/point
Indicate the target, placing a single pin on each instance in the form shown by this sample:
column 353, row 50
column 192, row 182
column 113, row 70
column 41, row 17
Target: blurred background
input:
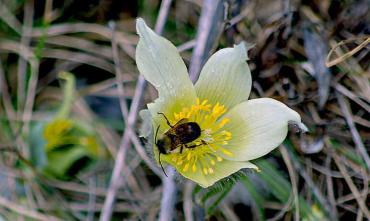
column 70, row 94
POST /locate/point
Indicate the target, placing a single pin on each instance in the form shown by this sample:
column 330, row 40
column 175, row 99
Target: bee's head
column 164, row 144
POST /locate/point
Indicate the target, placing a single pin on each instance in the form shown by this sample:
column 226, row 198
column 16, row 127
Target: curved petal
column 226, row 77
column 257, row 127
column 160, row 63
column 220, row 171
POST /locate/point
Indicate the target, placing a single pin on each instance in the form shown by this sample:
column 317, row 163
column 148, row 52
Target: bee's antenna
column 159, row 153
column 168, row 122
column 156, row 133
column 159, row 157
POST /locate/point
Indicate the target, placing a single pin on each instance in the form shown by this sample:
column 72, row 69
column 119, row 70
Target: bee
column 179, row 135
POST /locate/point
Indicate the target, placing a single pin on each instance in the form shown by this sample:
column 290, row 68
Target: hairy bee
column 179, row 135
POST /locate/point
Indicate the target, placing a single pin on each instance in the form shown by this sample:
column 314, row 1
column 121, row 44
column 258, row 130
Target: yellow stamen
column 189, row 156
column 223, row 122
column 226, row 133
column 205, row 171
column 210, row 170
column 194, row 168
column 228, row 153
column 186, row 167
column 212, row 142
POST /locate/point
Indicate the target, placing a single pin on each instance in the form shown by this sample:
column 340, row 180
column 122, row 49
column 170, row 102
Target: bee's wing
column 173, row 129
column 182, row 121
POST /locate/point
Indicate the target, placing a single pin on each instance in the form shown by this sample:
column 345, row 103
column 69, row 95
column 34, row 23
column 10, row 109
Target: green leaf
column 220, row 197
column 211, row 197
column 257, row 198
column 348, row 153
column 60, row 161
column 68, row 94
column 279, row 186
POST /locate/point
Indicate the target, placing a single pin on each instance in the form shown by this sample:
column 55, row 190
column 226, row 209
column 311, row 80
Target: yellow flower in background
column 63, row 132
column 69, row 140
column 209, row 130
column 55, row 133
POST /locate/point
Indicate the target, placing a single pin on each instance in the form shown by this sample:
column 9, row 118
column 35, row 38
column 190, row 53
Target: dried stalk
column 132, row 116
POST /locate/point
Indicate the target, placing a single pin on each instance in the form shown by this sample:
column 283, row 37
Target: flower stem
column 69, row 89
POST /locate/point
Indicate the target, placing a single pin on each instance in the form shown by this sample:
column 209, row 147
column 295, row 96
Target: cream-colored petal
column 160, row 63
column 258, row 126
column 220, row 170
column 226, row 77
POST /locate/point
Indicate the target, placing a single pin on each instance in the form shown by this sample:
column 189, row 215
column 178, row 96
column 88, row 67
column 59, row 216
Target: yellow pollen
column 226, row 133
column 186, row 167
column 228, row 153
column 223, row 122
column 205, row 171
column 210, row 170
column 189, row 156
column 212, row 143
column 194, row 168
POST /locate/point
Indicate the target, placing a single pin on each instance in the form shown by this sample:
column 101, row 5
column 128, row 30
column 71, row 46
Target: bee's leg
column 202, row 142
column 193, row 146
column 168, row 122
column 182, row 147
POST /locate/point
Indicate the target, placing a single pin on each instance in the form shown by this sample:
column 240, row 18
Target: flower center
column 211, row 145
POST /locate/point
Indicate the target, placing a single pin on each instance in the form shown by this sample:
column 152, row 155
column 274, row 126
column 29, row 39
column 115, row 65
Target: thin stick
column 24, row 211
column 355, row 135
column 351, row 185
column 293, row 179
column 92, row 199
column 330, row 189
column 25, row 40
column 132, row 116
column 329, row 63
column 282, row 210
column 188, row 201
column 205, row 39
column 119, row 76
column 7, row 16
column 9, row 110
column 168, row 197
column 315, row 190
column 354, row 97
column 30, row 98
column 124, row 40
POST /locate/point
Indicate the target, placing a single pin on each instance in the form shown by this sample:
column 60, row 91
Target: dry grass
column 313, row 56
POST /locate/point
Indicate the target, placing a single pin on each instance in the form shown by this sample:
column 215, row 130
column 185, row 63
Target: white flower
column 234, row 130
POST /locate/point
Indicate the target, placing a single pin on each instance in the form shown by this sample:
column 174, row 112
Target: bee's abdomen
column 188, row 132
